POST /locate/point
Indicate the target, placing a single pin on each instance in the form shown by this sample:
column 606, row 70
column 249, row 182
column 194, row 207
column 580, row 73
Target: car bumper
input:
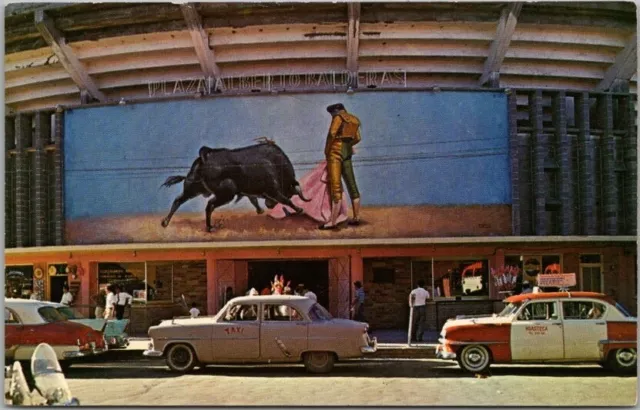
column 372, row 346
column 152, row 353
column 73, row 354
column 441, row 353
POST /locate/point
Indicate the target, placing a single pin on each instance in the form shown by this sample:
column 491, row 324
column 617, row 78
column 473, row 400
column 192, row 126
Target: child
column 194, row 311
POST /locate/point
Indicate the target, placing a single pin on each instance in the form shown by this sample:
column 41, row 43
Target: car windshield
column 50, row 314
column 319, row 313
column 69, row 313
column 510, row 309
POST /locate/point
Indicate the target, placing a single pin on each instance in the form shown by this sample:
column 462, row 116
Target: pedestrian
column 123, row 299
column 67, row 297
column 100, row 299
column 309, row 294
column 526, row 288
column 357, row 306
column 418, row 303
column 194, row 311
column 110, row 302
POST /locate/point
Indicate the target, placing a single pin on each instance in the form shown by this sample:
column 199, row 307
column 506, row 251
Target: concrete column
column 9, row 188
column 630, row 156
column 568, row 225
column 40, row 140
column 540, row 190
column 514, row 157
column 23, row 138
column 587, row 172
column 610, row 180
column 58, row 163
column 212, row 281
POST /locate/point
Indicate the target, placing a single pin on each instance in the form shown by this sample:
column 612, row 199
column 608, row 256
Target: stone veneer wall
column 386, row 304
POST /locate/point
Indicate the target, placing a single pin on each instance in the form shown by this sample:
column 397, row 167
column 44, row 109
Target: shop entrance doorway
column 314, row 274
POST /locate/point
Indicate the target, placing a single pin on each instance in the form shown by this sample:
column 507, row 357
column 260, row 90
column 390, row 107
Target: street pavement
column 391, row 382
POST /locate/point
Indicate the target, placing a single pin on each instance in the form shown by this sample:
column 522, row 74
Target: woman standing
column 100, row 299
column 110, row 303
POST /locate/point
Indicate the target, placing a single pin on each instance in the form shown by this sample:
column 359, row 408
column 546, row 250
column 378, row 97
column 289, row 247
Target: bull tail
column 298, row 190
column 173, row 180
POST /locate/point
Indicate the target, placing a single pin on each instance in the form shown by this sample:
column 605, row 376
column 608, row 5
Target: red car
column 28, row 323
column 556, row 327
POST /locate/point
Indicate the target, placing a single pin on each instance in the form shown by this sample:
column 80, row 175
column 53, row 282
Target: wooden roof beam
column 200, row 40
column 624, row 66
column 500, row 45
column 65, row 54
column 353, row 41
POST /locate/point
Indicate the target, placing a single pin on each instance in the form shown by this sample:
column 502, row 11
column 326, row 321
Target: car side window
column 10, row 318
column 583, row 310
column 280, row 313
column 244, row 313
column 539, row 311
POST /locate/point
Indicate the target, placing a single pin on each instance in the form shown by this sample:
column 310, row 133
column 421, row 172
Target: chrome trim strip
column 605, row 342
column 152, row 353
column 470, row 343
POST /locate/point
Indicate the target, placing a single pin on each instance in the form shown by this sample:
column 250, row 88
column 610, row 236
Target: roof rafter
column 200, row 40
column 67, row 57
column 624, row 66
column 500, row 45
column 353, row 39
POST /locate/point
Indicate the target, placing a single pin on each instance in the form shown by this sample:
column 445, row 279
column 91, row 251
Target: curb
column 426, row 352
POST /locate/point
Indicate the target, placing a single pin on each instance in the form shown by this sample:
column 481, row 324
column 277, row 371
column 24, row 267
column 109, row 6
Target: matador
column 344, row 133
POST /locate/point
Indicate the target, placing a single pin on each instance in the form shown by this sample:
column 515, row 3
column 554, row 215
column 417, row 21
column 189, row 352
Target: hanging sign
column 557, row 280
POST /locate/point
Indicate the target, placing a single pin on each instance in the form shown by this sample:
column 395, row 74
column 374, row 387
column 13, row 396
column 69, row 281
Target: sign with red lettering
column 536, row 330
column 557, row 280
column 234, row 330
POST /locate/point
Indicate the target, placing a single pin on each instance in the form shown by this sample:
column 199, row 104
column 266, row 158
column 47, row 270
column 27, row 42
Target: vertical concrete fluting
column 610, row 180
column 539, row 155
column 587, row 160
column 514, row 156
column 630, row 155
column 23, row 137
column 58, row 164
column 567, row 199
column 40, row 140
column 9, row 185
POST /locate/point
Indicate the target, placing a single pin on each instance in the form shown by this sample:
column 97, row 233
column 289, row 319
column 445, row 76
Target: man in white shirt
column 418, row 302
column 123, row 299
column 110, row 303
column 67, row 297
column 309, row 294
column 194, row 311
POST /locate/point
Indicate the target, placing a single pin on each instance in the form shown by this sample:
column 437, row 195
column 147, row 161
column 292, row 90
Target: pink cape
column 314, row 187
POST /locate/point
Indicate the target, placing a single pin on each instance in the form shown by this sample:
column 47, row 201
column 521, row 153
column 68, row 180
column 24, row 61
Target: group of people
column 112, row 303
column 278, row 287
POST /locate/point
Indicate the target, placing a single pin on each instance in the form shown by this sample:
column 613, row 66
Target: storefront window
column 18, row 281
column 460, row 278
column 145, row 281
column 533, row 265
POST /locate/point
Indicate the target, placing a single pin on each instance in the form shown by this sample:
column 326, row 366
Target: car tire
column 181, row 358
column 623, row 360
column 319, row 362
column 65, row 365
column 474, row 358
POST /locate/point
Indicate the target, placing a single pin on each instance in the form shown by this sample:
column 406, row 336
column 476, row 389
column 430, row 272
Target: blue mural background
column 444, row 148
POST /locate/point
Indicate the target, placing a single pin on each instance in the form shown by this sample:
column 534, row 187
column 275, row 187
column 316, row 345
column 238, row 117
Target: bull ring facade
column 493, row 134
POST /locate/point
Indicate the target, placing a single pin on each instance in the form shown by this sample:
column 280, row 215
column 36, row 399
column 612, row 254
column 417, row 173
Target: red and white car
column 28, row 323
column 558, row 327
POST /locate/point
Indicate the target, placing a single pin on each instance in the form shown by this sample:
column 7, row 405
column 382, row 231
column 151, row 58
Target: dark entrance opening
column 313, row 274
column 56, row 283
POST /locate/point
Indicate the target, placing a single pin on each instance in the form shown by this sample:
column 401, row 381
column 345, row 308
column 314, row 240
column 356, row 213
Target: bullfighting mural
column 289, row 167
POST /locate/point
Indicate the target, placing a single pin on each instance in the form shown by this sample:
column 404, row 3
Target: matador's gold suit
column 344, row 133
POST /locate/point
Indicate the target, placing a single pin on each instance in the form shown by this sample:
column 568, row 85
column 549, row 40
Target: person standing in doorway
column 67, row 297
column 100, row 299
column 358, row 302
column 418, row 302
column 123, row 299
column 194, row 312
column 110, row 303
column 344, row 134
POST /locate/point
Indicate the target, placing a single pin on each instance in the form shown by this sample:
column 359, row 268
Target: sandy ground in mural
column 387, row 222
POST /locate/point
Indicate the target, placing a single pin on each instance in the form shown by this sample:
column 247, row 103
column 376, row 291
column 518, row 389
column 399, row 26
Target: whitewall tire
column 181, row 358
column 474, row 358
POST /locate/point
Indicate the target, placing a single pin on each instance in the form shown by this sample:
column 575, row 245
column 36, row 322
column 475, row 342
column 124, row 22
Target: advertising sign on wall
column 376, row 165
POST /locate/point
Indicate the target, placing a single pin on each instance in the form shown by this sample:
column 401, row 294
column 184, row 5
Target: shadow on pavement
column 400, row 368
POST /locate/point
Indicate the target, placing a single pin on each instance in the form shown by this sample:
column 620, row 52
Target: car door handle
column 600, row 323
column 557, row 324
column 301, row 324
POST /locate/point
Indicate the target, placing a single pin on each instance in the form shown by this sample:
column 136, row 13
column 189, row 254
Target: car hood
column 490, row 320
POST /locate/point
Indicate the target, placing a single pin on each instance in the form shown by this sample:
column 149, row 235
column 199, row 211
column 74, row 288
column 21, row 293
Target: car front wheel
column 319, row 362
column 623, row 360
column 474, row 358
column 181, row 358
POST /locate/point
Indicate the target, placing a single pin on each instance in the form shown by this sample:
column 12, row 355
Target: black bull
column 257, row 171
